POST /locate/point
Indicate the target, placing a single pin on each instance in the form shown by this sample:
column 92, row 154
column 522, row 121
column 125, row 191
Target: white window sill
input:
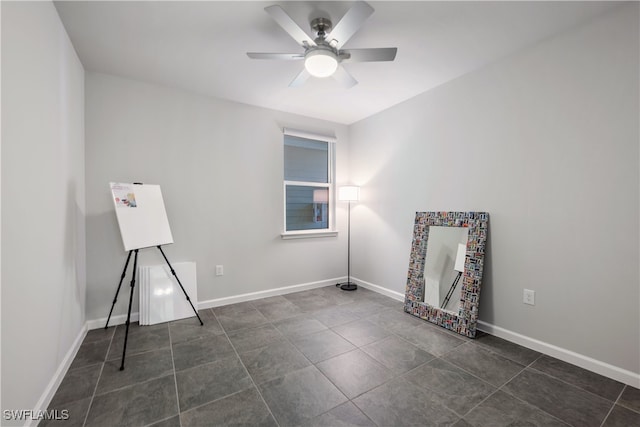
column 306, row 234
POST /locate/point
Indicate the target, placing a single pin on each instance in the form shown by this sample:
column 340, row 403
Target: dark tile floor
column 326, row 357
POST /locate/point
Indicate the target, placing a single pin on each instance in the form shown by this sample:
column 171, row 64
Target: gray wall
column 546, row 141
column 43, row 234
column 220, row 167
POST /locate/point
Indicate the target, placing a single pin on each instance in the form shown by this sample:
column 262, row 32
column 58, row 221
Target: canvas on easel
column 141, row 215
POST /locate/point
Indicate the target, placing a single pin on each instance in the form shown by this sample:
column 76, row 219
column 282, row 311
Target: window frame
column 329, row 185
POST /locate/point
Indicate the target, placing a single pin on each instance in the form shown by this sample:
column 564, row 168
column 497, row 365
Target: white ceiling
column 201, row 46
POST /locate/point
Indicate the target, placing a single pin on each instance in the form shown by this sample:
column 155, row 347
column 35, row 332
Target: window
column 308, row 183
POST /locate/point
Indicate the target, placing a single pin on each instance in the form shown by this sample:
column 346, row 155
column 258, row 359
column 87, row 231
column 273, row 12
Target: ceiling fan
column 323, row 55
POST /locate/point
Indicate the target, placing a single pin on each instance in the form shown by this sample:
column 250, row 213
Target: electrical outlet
column 529, row 297
column 219, row 270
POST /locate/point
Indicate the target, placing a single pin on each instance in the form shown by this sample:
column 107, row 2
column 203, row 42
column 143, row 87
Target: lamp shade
column 321, row 196
column 349, row 193
column 321, row 63
column 462, row 250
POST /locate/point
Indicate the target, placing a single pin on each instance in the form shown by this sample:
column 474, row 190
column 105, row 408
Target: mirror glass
column 445, row 269
column 441, row 271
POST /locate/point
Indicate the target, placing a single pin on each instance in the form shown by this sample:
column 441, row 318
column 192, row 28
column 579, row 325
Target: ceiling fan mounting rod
column 321, row 26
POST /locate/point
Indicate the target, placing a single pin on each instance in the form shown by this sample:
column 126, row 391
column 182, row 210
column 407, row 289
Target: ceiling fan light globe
column 321, row 63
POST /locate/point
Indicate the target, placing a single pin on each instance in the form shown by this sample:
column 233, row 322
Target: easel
column 133, row 283
column 451, row 289
column 459, row 267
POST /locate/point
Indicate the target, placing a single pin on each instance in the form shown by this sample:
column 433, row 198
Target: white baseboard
column 379, row 289
column 119, row 319
column 58, row 376
column 585, row 362
column 268, row 293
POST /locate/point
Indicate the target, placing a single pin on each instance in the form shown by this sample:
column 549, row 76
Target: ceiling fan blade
column 280, row 16
column 282, row 56
column 343, row 77
column 302, row 77
column 349, row 24
column 368, row 55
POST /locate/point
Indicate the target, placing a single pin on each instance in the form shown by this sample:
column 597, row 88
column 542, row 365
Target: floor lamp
column 348, row 193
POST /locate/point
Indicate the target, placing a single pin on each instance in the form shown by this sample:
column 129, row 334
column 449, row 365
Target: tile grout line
column 530, row 365
column 394, row 375
column 349, row 400
column 392, row 333
column 492, row 350
column 139, row 353
column 115, row 390
column 463, row 370
column 474, row 376
column 95, row 389
column 204, row 364
column 208, row 403
column 175, row 376
column 126, row 386
column 360, row 348
column 540, row 356
column 524, row 401
column 244, row 367
column 403, row 375
column 499, row 388
column 614, row 405
column 634, row 410
column 287, row 338
column 521, row 371
column 93, row 396
column 471, row 373
column 575, row 386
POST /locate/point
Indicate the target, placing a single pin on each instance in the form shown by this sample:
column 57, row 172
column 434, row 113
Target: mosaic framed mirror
column 445, row 269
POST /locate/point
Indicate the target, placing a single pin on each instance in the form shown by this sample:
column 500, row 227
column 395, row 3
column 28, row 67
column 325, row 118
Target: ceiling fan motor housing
column 321, row 26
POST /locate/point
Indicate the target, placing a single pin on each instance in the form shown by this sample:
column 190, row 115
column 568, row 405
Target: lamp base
column 347, row 286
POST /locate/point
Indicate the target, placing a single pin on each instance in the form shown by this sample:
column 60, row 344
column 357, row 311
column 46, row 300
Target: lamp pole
column 349, row 246
column 349, row 194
